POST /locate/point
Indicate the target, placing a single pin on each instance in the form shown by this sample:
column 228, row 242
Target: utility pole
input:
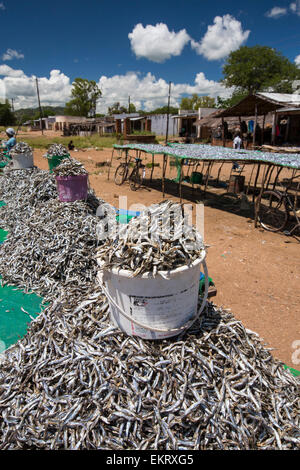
column 41, row 113
column 12, row 105
column 128, row 104
column 168, row 113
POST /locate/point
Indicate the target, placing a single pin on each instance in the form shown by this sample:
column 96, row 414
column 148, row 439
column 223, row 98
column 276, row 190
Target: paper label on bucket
column 167, row 311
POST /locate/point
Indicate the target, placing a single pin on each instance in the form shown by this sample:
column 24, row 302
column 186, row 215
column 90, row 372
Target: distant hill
column 27, row 114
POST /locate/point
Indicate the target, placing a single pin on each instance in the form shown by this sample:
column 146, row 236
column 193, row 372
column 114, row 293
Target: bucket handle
column 168, row 330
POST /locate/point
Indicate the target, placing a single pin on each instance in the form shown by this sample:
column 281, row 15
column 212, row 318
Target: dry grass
column 94, row 141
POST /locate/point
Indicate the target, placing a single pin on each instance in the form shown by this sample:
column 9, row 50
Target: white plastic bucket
column 154, row 307
column 21, row 161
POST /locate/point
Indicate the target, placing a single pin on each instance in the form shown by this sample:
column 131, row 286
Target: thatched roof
column 233, row 122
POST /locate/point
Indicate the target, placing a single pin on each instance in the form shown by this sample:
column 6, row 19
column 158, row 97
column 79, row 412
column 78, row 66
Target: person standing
column 237, row 141
column 237, row 144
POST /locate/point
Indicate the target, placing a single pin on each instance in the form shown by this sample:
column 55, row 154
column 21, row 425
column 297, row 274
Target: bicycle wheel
column 136, row 178
column 271, row 211
column 121, row 174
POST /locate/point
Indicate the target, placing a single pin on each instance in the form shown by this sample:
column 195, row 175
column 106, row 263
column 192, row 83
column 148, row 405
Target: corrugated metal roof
column 137, row 118
column 282, row 98
column 289, row 110
column 263, row 102
column 185, row 116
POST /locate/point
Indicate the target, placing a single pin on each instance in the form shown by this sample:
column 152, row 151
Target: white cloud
column 2, row 6
column 11, row 54
column 7, row 71
column 148, row 92
column 157, row 43
column 54, row 90
column 276, row 12
column 221, row 38
column 297, row 60
column 295, row 7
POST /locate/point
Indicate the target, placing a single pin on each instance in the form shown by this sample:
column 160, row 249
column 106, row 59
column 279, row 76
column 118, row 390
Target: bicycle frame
column 290, row 207
column 288, row 203
column 285, row 198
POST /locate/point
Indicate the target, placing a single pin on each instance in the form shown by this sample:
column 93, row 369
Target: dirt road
column 256, row 273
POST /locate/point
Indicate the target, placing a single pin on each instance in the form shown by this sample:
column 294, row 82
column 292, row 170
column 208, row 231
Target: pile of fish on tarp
column 57, row 150
column 50, row 244
column 77, row 382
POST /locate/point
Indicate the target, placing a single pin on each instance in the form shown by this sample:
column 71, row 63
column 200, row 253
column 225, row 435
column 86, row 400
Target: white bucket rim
column 149, row 275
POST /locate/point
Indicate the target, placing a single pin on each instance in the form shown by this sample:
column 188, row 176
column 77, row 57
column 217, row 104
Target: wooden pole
column 287, row 131
column 41, row 113
column 255, row 124
column 180, row 180
column 152, row 169
column 223, row 132
column 165, row 160
column 273, row 140
column 263, row 130
column 250, row 180
column 296, row 196
column 277, row 176
column 168, row 112
column 112, row 155
column 255, row 182
column 265, row 175
column 270, row 176
column 218, row 177
column 207, row 175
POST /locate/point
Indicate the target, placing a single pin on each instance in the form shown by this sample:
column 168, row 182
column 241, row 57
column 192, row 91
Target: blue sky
column 183, row 42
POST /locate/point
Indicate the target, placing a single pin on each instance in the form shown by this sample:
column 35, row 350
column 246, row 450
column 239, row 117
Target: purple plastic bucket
column 72, row 188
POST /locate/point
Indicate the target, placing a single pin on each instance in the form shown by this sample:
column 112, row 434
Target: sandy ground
column 256, row 272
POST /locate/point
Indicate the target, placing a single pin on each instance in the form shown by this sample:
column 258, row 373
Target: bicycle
column 135, row 178
column 273, row 208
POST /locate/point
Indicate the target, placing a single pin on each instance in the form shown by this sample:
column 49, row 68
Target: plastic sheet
column 13, row 321
column 215, row 153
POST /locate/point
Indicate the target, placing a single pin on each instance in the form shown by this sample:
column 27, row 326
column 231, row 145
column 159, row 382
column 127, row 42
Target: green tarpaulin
column 3, row 233
column 13, row 321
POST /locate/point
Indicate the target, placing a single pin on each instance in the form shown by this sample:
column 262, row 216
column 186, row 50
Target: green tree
column 163, row 110
column 132, row 108
column 85, row 94
column 116, row 108
column 259, row 68
column 7, row 117
column 235, row 98
column 196, row 101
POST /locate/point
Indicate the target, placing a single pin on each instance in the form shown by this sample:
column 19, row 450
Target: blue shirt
column 10, row 143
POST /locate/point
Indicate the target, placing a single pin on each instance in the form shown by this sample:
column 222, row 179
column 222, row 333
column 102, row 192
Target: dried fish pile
column 52, row 249
column 157, row 240
column 69, row 167
column 50, row 244
column 22, row 193
column 75, row 382
column 57, row 150
column 21, row 147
